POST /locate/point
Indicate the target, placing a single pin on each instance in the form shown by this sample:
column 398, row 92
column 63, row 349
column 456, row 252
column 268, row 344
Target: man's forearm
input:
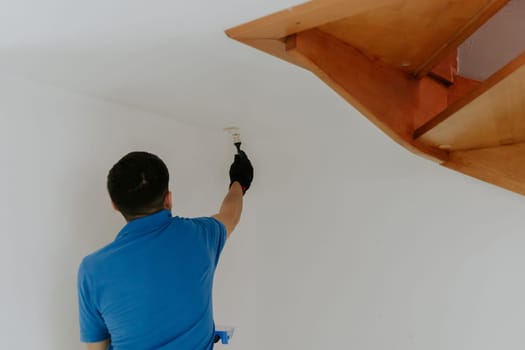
column 232, row 203
column 231, row 208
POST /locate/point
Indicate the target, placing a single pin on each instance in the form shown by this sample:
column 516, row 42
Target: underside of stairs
column 396, row 61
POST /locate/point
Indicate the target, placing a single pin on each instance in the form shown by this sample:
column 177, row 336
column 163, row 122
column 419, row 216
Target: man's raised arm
column 241, row 176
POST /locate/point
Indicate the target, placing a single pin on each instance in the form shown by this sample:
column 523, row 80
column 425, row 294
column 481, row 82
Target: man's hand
column 241, row 171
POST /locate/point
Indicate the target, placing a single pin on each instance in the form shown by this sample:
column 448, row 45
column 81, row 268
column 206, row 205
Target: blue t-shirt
column 151, row 288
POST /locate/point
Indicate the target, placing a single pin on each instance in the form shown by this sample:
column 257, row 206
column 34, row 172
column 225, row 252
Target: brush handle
column 238, row 145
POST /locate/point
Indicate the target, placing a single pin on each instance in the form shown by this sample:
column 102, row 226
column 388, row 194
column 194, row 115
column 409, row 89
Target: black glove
column 241, row 171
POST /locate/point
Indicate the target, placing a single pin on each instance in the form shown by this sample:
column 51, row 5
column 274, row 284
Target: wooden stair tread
column 396, row 62
column 410, row 35
column 492, row 115
column 503, row 166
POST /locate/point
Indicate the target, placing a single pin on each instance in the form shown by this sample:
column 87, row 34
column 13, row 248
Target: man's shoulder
column 200, row 220
column 196, row 222
column 92, row 261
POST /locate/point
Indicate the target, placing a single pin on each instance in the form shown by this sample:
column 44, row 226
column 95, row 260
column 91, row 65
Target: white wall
column 362, row 245
column 55, row 209
column 348, row 241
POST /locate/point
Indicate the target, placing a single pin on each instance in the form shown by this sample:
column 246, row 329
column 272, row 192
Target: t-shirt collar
column 145, row 224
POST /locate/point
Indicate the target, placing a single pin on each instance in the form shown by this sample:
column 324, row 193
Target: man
column 151, row 288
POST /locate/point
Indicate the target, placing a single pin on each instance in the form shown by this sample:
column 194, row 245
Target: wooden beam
column 447, row 69
column 432, row 98
column 462, row 87
column 390, row 98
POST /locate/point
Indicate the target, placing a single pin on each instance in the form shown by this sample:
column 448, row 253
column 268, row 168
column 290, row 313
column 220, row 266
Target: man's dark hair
column 138, row 184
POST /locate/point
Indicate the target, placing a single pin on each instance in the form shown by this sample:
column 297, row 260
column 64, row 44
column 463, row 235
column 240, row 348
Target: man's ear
column 168, row 204
column 114, row 206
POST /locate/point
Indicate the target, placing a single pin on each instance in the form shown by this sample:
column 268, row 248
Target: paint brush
column 234, row 131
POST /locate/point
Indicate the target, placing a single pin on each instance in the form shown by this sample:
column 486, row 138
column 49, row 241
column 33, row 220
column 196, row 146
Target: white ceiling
column 165, row 56
column 173, row 57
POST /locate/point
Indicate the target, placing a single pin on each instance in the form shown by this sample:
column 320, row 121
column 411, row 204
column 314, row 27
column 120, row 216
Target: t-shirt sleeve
column 92, row 326
column 214, row 234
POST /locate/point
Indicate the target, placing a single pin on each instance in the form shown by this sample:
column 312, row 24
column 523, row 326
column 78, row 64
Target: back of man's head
column 138, row 184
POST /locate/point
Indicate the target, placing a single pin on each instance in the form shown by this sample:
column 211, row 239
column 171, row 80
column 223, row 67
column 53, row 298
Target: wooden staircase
column 396, row 62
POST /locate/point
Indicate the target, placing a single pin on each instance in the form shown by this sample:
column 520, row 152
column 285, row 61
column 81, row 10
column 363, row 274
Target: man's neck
column 131, row 218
